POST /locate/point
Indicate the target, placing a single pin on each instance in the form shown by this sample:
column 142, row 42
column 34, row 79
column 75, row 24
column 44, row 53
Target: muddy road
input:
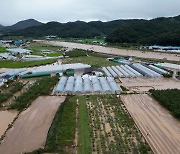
column 30, row 130
column 161, row 130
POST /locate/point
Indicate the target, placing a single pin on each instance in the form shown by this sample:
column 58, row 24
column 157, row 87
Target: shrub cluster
column 170, row 99
column 14, row 87
column 39, row 88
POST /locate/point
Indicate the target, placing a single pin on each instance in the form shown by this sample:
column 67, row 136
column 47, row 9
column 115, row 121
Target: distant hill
column 78, row 29
column 21, row 25
column 161, row 31
column 1, row 27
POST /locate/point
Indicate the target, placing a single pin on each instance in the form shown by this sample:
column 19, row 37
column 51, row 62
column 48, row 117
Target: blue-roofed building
column 18, row 43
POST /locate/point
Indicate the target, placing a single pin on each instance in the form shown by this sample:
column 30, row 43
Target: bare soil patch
column 30, row 129
column 161, row 130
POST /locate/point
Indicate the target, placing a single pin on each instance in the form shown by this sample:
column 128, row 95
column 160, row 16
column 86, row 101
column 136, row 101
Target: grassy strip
column 39, row 88
column 62, row 132
column 14, row 87
column 38, row 47
column 93, row 61
column 170, row 99
column 76, row 53
column 84, row 141
column 54, row 54
column 2, row 49
column 21, row 64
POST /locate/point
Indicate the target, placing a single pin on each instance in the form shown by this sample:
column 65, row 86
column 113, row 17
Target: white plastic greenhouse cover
column 122, row 71
column 128, row 71
column 105, row 86
column 13, row 72
column 143, row 70
column 61, row 85
column 106, row 71
column 96, row 85
column 158, row 70
column 69, row 86
column 149, row 72
column 117, row 71
column 169, row 65
column 112, row 72
column 87, row 85
column 138, row 69
column 115, row 88
column 134, row 71
column 155, row 74
column 78, row 85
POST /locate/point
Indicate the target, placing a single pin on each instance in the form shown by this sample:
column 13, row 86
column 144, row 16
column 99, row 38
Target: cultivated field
column 30, row 129
column 123, row 52
column 144, row 84
column 160, row 129
column 105, row 127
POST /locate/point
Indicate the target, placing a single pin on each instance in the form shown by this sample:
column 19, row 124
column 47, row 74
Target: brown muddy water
column 110, row 50
column 6, row 117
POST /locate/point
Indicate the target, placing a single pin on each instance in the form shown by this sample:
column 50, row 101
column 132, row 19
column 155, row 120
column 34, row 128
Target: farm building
column 69, row 72
column 16, row 51
column 12, row 73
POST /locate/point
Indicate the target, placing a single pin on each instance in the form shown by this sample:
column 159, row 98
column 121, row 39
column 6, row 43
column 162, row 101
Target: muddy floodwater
column 6, row 117
column 161, row 130
column 110, row 50
column 30, row 130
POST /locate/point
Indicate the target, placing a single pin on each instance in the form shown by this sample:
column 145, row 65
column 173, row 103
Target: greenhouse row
column 87, row 85
column 133, row 70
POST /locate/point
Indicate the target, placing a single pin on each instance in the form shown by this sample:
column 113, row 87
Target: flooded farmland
column 161, row 130
column 123, row 52
column 30, row 130
column 6, row 117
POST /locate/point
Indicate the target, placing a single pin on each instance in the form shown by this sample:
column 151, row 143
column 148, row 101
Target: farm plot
column 30, row 129
column 160, row 129
column 111, row 128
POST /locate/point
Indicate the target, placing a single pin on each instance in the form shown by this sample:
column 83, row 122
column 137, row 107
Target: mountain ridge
column 162, row 30
column 21, row 25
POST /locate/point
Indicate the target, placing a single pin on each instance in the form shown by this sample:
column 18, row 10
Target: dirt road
column 30, row 129
column 160, row 129
column 6, row 117
column 123, row 52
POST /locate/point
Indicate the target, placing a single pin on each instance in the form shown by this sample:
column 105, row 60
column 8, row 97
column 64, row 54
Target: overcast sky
column 13, row 11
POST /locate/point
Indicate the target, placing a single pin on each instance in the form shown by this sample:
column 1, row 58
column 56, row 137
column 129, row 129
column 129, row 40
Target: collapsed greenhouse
column 87, row 85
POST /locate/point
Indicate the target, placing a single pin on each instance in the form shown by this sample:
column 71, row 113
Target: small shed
column 69, row 72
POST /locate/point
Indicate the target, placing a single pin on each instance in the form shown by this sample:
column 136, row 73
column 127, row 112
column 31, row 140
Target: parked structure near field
column 87, row 85
column 133, row 70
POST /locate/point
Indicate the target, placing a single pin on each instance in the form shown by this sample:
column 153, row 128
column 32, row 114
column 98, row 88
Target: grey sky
column 13, row 11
